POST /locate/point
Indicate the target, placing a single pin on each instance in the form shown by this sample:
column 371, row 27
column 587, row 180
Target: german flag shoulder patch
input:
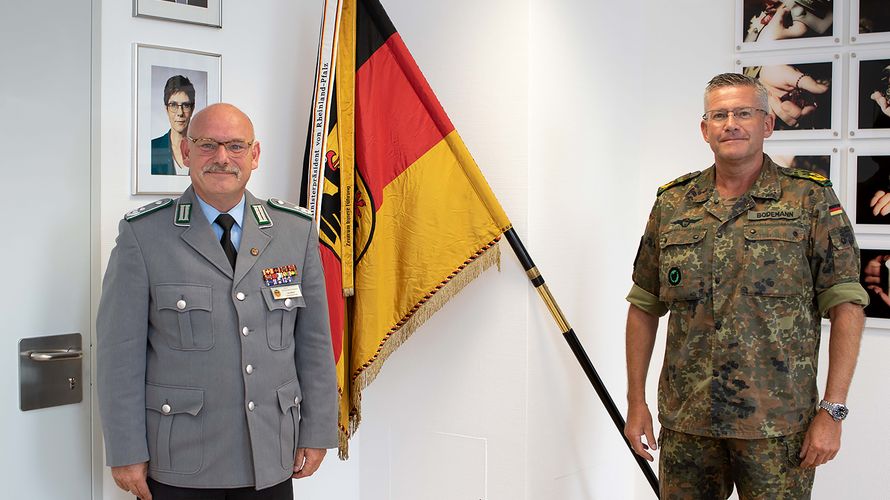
column 679, row 181
column 147, row 209
column 800, row 173
column 287, row 206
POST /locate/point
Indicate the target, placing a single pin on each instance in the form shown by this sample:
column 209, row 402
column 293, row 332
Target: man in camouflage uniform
column 747, row 257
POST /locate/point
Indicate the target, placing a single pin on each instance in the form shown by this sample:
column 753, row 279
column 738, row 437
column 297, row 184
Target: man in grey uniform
column 215, row 368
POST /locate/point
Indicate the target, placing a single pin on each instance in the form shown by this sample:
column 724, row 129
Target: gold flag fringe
column 471, row 269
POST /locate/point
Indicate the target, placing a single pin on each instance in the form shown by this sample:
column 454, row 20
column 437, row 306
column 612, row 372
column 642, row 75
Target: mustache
column 216, row 168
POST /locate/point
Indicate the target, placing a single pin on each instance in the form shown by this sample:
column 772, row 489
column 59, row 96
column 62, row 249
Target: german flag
column 406, row 219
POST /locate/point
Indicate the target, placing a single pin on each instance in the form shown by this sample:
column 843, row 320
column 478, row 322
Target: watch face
column 840, row 412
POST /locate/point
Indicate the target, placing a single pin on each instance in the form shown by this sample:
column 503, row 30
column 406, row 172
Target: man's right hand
column 132, row 479
column 639, row 424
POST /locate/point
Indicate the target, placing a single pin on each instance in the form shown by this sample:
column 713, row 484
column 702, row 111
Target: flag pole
column 538, row 282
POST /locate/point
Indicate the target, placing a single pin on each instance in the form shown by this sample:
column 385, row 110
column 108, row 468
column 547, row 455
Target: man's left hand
column 822, row 442
column 307, row 461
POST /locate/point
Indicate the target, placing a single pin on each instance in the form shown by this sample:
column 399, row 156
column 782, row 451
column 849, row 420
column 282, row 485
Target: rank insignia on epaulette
column 147, row 209
column 261, row 216
column 183, row 215
column 807, row 174
column 679, row 181
column 290, row 207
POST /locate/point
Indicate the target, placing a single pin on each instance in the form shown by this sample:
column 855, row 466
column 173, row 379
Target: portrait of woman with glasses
column 179, row 104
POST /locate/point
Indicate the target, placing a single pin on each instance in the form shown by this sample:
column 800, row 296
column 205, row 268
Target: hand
column 307, row 461
column 881, row 100
column 775, row 29
column 822, row 442
column 132, row 479
column 639, row 424
column 781, row 79
column 871, row 276
column 880, row 203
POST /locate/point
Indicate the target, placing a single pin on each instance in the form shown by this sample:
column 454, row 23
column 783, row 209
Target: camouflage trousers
column 698, row 467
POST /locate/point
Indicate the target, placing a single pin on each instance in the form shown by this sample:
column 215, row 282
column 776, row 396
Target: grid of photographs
column 826, row 64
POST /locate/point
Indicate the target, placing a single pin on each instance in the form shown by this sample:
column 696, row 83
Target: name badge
column 287, row 292
column 773, row 214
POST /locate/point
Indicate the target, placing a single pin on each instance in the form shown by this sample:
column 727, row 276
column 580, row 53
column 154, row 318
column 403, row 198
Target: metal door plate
column 50, row 371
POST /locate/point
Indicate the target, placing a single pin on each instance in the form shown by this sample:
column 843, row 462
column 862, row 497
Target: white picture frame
column 819, row 66
column 860, row 16
column 153, row 67
column 751, row 34
column 203, row 12
column 789, row 154
column 869, row 73
column 867, row 171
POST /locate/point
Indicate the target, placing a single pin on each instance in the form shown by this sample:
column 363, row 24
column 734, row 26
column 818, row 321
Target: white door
column 45, row 134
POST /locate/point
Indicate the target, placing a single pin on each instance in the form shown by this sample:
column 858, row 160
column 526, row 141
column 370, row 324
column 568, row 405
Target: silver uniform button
column 166, row 409
column 297, row 400
column 180, row 304
column 288, row 302
column 245, row 331
column 251, row 406
column 248, row 369
column 240, row 296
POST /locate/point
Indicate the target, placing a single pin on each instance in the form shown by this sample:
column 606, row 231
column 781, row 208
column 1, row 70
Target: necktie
column 226, row 222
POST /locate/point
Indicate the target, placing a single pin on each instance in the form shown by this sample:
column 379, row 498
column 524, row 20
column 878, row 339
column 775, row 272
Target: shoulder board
column 147, row 209
column 679, row 181
column 807, row 174
column 290, row 207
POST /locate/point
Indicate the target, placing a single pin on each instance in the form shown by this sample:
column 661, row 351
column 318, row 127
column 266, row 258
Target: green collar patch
column 290, row 207
column 147, row 209
column 183, row 215
column 261, row 216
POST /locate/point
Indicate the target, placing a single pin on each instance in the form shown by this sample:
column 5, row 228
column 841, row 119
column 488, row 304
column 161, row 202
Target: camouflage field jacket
column 746, row 284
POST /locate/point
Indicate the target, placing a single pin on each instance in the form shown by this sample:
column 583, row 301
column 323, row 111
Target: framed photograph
column 869, row 111
column 869, row 21
column 875, row 264
column 868, row 188
column 171, row 85
column 804, row 92
column 204, row 12
column 819, row 158
column 787, row 24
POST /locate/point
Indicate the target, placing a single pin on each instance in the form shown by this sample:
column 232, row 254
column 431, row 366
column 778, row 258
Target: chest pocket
column 281, row 318
column 184, row 312
column 775, row 260
column 683, row 264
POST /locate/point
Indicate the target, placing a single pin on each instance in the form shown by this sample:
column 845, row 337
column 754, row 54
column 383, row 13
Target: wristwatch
column 838, row 411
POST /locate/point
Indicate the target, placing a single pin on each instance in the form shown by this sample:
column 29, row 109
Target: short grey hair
column 738, row 80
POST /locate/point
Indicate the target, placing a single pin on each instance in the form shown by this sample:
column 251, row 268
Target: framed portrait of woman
column 171, row 85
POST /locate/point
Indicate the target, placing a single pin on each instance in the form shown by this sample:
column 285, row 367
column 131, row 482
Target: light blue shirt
column 237, row 213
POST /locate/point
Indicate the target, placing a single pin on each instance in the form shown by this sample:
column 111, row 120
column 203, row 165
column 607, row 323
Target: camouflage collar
column 766, row 186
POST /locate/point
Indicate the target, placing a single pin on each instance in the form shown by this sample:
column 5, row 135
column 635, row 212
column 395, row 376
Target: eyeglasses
column 208, row 146
column 721, row 115
column 176, row 106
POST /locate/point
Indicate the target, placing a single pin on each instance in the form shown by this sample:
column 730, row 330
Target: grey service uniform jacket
column 202, row 371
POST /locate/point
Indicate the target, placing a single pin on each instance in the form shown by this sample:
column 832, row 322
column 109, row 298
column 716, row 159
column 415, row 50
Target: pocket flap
column 287, row 304
column 289, row 395
column 183, row 298
column 793, row 234
column 170, row 400
column 683, row 237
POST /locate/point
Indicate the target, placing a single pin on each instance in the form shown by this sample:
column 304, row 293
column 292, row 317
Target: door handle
column 55, row 354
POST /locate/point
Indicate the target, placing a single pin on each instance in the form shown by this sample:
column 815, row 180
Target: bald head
column 221, row 115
